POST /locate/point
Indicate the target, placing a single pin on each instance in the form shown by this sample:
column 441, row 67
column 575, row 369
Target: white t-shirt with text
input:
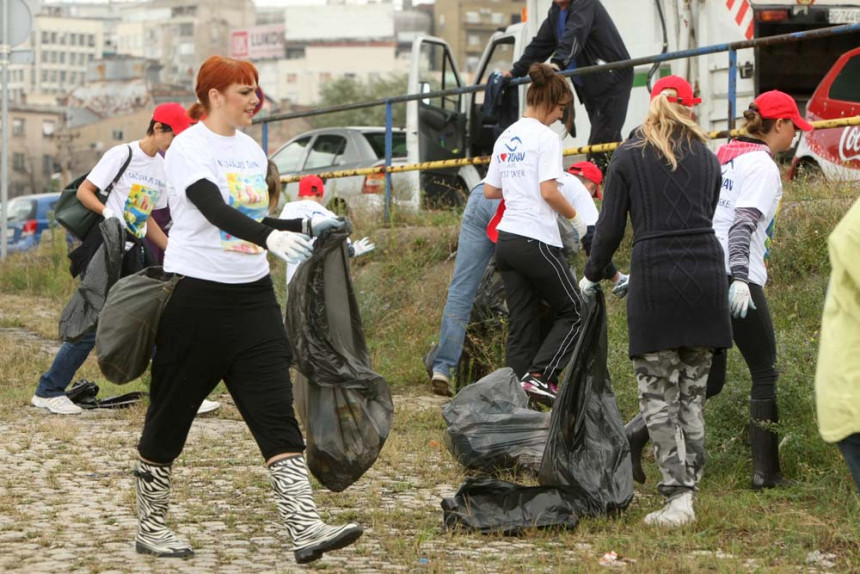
column 577, row 195
column 750, row 180
column 526, row 154
column 140, row 189
column 237, row 165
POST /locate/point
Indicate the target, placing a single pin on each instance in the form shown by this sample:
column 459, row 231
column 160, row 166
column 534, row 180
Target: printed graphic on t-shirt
column 140, row 203
column 250, row 195
column 511, row 161
column 768, row 240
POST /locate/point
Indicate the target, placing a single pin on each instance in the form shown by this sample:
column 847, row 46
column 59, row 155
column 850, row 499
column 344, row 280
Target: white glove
column 740, row 299
column 107, row 213
column 588, row 288
column 362, row 247
column 314, row 227
column 289, row 246
column 619, row 288
column 579, row 226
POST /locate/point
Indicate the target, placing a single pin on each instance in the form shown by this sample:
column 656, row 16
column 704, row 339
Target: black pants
column 531, row 271
column 211, row 332
column 755, row 339
column 606, row 114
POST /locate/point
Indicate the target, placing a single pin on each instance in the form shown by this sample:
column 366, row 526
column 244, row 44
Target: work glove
column 740, row 299
column 314, row 227
column 619, row 288
column 588, row 288
column 361, row 247
column 579, row 226
column 289, row 246
column 107, row 213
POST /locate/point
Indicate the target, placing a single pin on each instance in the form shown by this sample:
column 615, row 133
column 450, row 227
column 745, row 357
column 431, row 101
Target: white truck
column 448, row 128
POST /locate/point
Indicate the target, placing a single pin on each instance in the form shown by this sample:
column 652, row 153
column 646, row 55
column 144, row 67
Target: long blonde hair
column 668, row 126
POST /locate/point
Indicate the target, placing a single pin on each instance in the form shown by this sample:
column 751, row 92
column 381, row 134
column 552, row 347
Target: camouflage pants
column 671, row 395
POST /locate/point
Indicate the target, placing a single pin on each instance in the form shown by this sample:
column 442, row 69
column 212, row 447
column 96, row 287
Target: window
column 186, row 29
column 325, row 151
column 73, row 40
column 44, row 56
column 116, row 134
column 48, row 128
column 18, row 126
column 18, row 161
column 292, row 78
column 54, row 76
column 501, row 59
column 47, row 165
column 91, row 41
column 474, row 40
column 62, row 39
column 46, row 38
column 62, row 76
column 846, row 86
column 53, row 57
column 436, row 74
column 62, row 57
column 21, row 208
column 377, row 142
column 44, row 75
column 53, row 38
column 295, row 53
column 497, row 18
column 473, row 18
column 289, row 158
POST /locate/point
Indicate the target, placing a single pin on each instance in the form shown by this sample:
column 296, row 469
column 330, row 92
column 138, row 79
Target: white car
column 336, row 149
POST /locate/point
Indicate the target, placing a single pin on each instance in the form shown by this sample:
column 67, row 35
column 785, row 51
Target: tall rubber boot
column 311, row 536
column 765, row 444
column 153, row 496
column 637, row 435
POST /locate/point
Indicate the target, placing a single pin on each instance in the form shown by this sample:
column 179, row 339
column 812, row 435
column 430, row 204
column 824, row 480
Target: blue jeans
column 850, row 447
column 69, row 359
column 474, row 251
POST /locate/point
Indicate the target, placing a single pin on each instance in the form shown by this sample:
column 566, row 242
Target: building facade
column 466, row 25
column 33, row 159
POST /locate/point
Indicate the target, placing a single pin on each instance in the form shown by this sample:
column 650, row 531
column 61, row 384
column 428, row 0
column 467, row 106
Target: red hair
column 220, row 73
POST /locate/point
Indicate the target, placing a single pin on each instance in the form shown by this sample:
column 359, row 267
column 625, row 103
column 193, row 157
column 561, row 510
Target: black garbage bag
column 345, row 406
column 490, row 428
column 495, row 506
column 587, row 448
column 84, row 393
column 104, row 269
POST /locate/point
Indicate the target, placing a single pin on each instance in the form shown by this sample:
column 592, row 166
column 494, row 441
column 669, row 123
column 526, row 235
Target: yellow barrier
column 448, row 163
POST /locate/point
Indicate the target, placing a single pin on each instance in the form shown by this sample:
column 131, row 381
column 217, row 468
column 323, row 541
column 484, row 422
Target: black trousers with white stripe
column 531, row 271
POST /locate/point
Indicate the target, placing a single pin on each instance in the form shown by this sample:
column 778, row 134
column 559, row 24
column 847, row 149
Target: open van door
column 436, row 127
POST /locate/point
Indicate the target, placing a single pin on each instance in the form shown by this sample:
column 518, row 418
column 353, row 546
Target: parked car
column 336, row 149
column 832, row 153
column 28, row 216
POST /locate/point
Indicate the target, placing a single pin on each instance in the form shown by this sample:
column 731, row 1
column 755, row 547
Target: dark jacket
column 589, row 35
column 678, row 295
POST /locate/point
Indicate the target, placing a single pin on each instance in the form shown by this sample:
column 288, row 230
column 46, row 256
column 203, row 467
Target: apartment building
column 466, row 25
column 33, row 149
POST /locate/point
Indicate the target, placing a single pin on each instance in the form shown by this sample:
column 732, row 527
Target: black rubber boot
column 765, row 444
column 637, row 436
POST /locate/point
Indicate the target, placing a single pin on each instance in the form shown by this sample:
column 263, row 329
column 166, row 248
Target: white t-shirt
column 526, row 154
column 577, row 195
column 237, row 165
column 750, row 180
column 304, row 208
column 141, row 188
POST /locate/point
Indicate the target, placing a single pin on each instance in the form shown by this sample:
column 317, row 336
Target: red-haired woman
column 223, row 321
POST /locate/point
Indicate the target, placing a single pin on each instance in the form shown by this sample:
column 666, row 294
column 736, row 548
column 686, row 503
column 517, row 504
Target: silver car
column 336, row 149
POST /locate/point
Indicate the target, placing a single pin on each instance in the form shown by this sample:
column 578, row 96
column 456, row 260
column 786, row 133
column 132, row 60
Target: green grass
column 401, row 290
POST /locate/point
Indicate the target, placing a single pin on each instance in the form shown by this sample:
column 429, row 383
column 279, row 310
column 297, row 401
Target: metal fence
column 732, row 49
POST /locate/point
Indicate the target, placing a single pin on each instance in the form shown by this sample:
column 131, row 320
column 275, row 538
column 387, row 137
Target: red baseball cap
column 173, row 115
column 590, row 172
column 776, row 105
column 682, row 88
column 311, row 185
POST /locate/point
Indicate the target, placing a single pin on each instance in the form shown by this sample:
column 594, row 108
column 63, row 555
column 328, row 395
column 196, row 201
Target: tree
column 349, row 91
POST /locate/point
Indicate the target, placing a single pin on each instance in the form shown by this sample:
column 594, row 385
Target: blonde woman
column 668, row 182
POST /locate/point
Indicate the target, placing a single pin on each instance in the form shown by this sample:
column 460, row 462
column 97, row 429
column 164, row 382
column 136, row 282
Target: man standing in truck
column 580, row 33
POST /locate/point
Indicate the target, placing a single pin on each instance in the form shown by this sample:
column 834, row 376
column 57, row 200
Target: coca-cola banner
column 257, row 42
column 849, row 144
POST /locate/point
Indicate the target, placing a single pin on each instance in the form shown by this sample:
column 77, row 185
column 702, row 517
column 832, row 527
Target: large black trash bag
column 345, row 406
column 490, row 428
column 587, row 448
column 488, row 505
column 82, row 311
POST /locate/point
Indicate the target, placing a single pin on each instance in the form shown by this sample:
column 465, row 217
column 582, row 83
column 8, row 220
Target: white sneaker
column 61, row 405
column 208, row 407
column 677, row 512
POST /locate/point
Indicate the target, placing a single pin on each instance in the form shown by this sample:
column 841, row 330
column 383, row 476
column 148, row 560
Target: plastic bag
column 489, row 505
column 489, row 426
column 128, row 323
column 587, row 448
column 346, row 407
column 82, row 311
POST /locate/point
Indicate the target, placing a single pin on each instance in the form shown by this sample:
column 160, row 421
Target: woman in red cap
column 744, row 223
column 668, row 181
column 223, row 321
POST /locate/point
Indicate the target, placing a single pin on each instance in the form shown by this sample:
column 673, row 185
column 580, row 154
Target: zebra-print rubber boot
column 153, row 496
column 311, row 536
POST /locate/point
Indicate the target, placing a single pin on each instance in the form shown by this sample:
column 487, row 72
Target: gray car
column 336, row 149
